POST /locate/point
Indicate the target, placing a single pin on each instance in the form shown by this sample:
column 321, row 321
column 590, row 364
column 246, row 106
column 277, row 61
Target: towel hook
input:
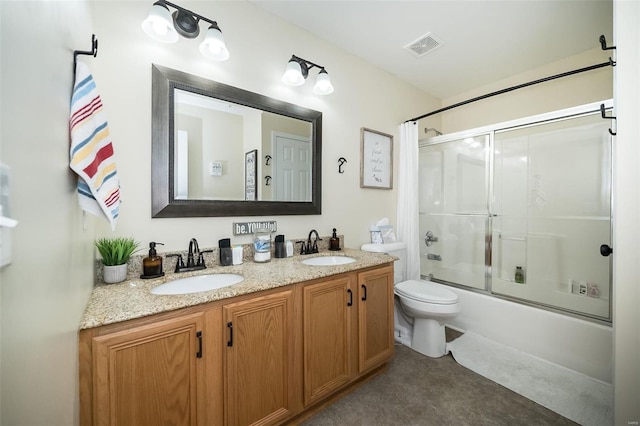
column 267, row 180
column 267, row 160
column 93, row 52
column 603, row 44
column 607, row 118
column 341, row 162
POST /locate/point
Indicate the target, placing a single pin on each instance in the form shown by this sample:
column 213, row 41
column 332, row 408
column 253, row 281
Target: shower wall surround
column 520, row 210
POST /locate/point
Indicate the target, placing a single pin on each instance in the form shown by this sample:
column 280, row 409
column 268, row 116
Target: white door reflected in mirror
column 209, row 130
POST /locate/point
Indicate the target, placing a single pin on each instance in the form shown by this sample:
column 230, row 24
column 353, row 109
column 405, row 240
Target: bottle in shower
column 519, row 275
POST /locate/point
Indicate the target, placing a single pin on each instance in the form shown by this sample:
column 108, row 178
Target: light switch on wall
column 5, row 184
column 6, row 223
column 215, row 168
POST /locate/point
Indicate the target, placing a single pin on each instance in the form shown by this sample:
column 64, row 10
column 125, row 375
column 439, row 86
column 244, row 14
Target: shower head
column 438, row 133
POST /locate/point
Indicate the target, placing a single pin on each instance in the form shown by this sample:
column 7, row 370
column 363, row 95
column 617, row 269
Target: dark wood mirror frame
column 163, row 202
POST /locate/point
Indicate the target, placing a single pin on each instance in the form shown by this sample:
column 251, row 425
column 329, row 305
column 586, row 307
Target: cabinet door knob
column 230, row 342
column 364, row 294
column 350, row 302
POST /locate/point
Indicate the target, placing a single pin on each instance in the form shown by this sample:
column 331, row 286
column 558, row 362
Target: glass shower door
column 453, row 212
column 552, row 200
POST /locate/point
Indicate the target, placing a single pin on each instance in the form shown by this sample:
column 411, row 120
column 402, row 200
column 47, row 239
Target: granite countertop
column 112, row 303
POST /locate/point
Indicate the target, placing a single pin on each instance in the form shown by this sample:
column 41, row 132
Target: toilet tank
column 394, row 249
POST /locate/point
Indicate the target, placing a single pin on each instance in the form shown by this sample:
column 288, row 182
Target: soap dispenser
column 152, row 264
column 334, row 242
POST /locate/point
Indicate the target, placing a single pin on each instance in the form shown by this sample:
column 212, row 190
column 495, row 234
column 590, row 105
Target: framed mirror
column 218, row 150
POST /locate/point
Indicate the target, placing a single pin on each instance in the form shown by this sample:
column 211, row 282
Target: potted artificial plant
column 115, row 254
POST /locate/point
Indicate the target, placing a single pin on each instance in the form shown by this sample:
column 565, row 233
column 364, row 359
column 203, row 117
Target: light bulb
column 159, row 24
column 213, row 45
column 323, row 84
column 159, row 27
column 293, row 74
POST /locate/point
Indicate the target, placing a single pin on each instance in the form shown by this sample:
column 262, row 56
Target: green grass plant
column 116, row 251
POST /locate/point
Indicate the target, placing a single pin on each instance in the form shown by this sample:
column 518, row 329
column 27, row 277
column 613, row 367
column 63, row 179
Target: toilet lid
column 426, row 291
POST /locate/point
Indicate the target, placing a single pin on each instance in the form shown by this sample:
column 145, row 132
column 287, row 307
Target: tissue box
column 382, row 234
column 376, row 235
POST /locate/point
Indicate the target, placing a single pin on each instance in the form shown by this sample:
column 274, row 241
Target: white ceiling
column 483, row 41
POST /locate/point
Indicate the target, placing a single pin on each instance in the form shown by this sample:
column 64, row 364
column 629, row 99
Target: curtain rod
column 519, row 86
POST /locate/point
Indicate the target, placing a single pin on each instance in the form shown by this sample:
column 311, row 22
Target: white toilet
column 424, row 304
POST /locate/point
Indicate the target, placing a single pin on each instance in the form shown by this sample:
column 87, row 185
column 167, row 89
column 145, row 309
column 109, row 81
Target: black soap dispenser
column 281, row 249
column 226, row 254
column 334, row 242
column 152, row 264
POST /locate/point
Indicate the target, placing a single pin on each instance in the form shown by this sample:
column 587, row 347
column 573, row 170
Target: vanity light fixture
column 164, row 26
column 297, row 72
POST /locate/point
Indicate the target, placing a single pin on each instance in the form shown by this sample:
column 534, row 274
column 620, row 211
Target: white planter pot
column 114, row 274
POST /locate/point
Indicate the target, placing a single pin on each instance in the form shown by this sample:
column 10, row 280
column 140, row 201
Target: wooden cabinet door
column 259, row 385
column 375, row 317
column 327, row 311
column 148, row 375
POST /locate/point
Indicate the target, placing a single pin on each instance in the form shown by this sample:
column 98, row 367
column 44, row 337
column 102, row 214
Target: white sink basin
column 328, row 260
column 197, row 284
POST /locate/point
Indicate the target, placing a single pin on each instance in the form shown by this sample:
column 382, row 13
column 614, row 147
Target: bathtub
column 580, row 345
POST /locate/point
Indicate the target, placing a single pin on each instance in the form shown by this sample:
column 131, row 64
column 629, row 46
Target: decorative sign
column 250, row 176
column 244, row 228
column 376, row 159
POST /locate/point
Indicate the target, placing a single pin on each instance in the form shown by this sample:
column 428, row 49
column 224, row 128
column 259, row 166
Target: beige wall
column 44, row 292
column 212, row 140
column 260, row 46
column 565, row 92
column 45, row 289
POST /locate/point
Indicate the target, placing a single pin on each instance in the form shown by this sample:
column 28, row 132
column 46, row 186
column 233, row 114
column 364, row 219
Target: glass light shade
column 159, row 24
column 213, row 46
column 293, row 74
column 323, row 84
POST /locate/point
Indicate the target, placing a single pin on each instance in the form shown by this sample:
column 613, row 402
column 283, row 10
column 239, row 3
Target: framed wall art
column 250, row 176
column 376, row 159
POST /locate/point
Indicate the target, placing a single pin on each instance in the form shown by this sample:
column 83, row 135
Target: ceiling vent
column 424, row 44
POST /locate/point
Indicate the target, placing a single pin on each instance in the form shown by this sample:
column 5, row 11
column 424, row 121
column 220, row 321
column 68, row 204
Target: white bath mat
column 584, row 400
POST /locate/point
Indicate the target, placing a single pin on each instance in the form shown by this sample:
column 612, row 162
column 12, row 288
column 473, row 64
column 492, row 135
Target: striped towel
column 91, row 153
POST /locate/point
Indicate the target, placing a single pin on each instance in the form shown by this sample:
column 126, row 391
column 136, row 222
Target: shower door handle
column 605, row 250
column 430, row 239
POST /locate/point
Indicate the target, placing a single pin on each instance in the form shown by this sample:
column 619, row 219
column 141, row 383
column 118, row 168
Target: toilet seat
column 425, row 291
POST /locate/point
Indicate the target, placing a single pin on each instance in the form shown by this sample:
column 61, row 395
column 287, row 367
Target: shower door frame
column 490, row 130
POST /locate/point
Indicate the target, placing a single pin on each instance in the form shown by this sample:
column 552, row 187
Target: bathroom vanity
column 269, row 350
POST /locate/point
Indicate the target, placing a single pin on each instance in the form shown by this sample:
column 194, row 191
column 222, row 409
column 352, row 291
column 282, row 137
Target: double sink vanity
column 251, row 344
column 256, row 344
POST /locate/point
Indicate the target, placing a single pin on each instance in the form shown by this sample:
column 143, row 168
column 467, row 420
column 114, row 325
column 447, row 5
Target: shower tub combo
column 516, row 218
